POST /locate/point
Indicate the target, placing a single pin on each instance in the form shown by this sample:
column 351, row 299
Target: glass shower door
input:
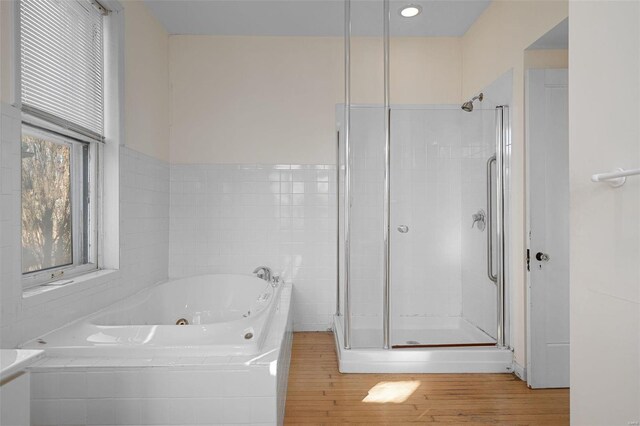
column 440, row 291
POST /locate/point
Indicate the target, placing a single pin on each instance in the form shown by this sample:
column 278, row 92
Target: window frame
column 79, row 207
column 112, row 51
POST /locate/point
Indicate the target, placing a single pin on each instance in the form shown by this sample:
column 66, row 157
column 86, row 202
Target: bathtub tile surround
column 167, row 396
column 231, row 218
column 144, row 213
column 283, row 364
column 15, row 386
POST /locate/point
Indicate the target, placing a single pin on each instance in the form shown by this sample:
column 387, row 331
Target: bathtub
column 189, row 317
column 131, row 364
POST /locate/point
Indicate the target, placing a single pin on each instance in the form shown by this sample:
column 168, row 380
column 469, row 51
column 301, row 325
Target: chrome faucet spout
column 263, row 272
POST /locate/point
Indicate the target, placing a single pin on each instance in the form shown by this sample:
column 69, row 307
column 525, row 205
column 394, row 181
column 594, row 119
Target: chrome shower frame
column 502, row 143
column 501, row 158
column 347, row 177
column 386, row 298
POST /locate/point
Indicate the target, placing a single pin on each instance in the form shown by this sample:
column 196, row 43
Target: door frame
column 527, row 227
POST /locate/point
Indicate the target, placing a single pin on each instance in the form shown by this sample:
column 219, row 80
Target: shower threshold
column 443, row 345
column 449, row 357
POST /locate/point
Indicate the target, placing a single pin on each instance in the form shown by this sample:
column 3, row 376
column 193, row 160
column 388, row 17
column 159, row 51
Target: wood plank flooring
column 319, row 394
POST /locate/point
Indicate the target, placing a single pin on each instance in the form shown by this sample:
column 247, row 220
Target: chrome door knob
column 403, row 229
column 542, row 257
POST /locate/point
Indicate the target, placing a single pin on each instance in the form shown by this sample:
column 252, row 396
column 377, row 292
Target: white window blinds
column 62, row 63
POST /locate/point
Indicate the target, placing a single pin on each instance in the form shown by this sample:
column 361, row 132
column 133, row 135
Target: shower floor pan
column 449, row 345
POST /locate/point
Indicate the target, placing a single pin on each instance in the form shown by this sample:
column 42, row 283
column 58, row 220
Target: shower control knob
column 540, row 256
column 403, row 229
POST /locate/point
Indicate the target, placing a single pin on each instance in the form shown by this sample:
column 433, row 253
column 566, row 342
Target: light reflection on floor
column 391, row 392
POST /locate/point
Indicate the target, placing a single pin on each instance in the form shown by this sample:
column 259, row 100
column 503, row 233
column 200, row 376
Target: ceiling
column 313, row 17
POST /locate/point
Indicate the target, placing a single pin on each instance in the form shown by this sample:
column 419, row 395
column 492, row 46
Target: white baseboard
column 520, row 371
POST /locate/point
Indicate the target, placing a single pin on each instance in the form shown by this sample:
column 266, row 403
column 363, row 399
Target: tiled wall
column 232, row 218
column 153, row 396
column 10, row 270
column 144, row 219
column 144, row 234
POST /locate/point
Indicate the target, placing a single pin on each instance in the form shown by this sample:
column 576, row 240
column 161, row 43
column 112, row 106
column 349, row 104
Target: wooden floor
column 319, row 394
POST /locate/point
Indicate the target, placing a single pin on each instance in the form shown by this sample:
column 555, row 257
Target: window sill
column 40, row 294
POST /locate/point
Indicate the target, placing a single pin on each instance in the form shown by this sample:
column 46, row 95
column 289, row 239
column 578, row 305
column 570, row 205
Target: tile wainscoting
column 232, row 218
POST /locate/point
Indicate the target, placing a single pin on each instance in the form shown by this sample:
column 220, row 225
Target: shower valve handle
column 403, row 229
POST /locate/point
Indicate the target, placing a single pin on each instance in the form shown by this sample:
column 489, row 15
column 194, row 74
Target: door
column 548, row 292
column 440, row 292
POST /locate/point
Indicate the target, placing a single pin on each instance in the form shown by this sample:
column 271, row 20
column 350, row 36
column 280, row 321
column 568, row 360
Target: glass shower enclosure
column 421, row 244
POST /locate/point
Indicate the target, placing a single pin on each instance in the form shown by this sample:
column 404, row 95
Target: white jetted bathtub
column 189, row 317
column 208, row 350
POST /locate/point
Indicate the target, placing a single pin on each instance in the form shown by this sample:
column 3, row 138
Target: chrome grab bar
column 493, row 277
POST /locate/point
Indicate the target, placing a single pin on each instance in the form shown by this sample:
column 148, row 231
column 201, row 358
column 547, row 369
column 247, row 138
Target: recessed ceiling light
column 410, row 11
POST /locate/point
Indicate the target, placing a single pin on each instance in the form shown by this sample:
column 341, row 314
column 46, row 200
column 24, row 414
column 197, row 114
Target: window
column 57, row 189
column 62, row 96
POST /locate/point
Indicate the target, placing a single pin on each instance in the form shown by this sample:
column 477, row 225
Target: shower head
column 468, row 106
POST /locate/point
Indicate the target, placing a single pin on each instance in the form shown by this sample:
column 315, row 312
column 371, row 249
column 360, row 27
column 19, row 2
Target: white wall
column 146, row 82
column 6, row 51
column 254, row 100
column 604, row 133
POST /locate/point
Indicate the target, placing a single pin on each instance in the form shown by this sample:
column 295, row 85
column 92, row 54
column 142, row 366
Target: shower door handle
column 403, row 229
column 493, row 277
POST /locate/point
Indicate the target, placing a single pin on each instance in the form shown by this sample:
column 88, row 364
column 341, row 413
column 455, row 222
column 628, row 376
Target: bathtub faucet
column 264, row 273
